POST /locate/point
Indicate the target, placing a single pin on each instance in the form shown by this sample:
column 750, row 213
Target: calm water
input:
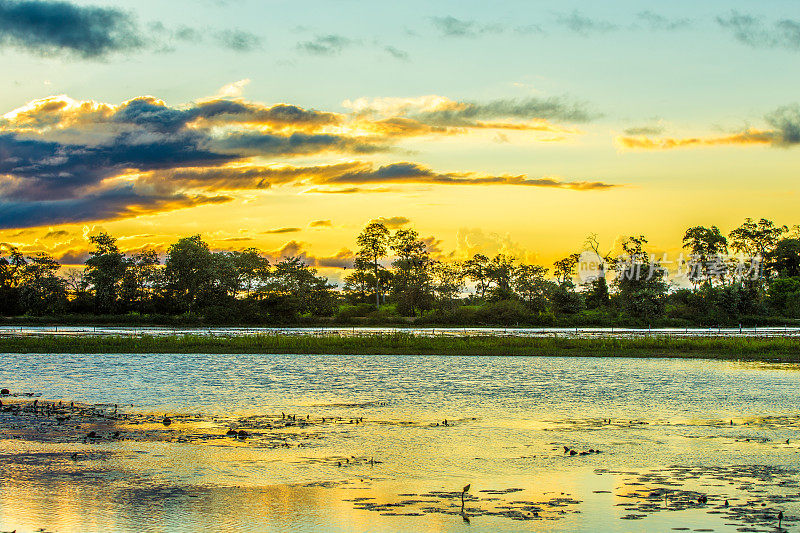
column 508, row 419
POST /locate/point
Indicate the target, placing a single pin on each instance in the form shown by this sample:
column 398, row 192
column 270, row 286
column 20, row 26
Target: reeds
column 734, row 348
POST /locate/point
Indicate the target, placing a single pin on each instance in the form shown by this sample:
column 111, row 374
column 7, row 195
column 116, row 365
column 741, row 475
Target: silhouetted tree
column 373, row 242
column 105, row 269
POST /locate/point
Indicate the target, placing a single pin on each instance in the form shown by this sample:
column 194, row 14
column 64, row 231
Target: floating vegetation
column 744, row 495
column 450, row 503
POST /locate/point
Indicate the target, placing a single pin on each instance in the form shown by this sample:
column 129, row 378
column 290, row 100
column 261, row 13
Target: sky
column 518, row 127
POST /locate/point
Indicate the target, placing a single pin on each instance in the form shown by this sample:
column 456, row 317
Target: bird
column 463, row 493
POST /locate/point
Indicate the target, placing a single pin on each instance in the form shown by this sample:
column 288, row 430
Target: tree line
column 752, row 275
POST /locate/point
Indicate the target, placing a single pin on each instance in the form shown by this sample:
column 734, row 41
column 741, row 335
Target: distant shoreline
column 778, row 349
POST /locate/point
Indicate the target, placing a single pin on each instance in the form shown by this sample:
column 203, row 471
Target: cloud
column 584, row 25
column 438, row 114
column 344, row 258
column 320, row 224
column 785, row 132
column 657, row 129
column 55, row 234
column 232, row 90
column 786, row 123
column 73, row 257
column 123, row 202
column 450, row 26
column 238, row 40
column 654, row 21
column 392, row 222
column 278, row 231
column 298, row 143
column 406, row 172
column 357, row 173
column 51, row 28
column 325, row 45
column 396, row 53
column 59, row 28
column 65, row 160
column 668, row 143
column 753, row 32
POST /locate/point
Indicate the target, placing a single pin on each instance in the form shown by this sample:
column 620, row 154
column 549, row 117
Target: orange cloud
column 747, row 137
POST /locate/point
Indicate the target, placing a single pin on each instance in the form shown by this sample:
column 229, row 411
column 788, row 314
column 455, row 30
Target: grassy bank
column 751, row 349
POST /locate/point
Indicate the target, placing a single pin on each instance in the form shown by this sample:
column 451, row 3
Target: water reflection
column 508, row 423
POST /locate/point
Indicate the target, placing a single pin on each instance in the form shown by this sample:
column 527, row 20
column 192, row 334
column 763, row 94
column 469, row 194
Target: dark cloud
column 41, row 170
column 122, row 202
column 60, row 27
column 752, row 31
column 786, row 123
column 55, row 234
column 278, row 231
column 450, row 26
column 320, row 224
column 392, row 222
column 407, row 172
column 326, row 45
column 645, row 130
column 73, row 257
column 298, row 143
column 584, row 25
column 238, row 40
column 466, row 113
column 344, row 258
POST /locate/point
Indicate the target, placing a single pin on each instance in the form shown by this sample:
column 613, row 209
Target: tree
column 641, row 288
column 530, row 284
column 565, row 268
column 411, row 283
column 500, row 272
column 42, row 290
column 77, row 286
column 784, row 259
column 373, row 242
column 756, row 240
column 11, row 269
column 447, row 280
column 104, row 271
column 252, row 270
column 477, row 271
column 358, row 285
column 141, row 281
column 189, row 273
column 708, row 248
column 294, row 289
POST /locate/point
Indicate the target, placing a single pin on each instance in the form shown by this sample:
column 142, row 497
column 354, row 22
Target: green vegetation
column 745, row 349
column 396, row 278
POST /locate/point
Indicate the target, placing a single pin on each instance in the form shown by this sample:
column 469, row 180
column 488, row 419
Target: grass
column 733, row 348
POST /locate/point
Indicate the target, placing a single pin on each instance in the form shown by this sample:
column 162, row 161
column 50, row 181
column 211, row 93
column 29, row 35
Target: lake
column 360, row 443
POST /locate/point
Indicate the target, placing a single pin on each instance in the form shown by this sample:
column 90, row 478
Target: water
column 508, row 421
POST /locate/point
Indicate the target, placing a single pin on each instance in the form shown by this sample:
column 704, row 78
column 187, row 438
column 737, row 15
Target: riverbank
column 733, row 348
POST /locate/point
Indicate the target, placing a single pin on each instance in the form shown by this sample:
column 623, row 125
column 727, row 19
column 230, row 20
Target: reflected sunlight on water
column 508, row 423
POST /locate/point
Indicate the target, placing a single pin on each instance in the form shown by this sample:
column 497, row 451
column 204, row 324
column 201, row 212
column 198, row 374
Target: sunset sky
column 288, row 125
